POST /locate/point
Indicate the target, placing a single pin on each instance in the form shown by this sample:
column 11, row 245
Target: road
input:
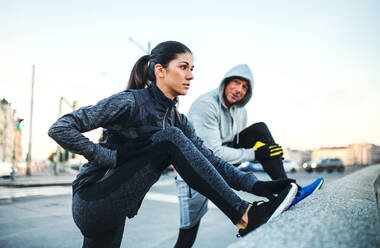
column 41, row 217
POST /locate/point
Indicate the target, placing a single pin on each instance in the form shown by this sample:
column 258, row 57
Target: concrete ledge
column 377, row 191
column 343, row 213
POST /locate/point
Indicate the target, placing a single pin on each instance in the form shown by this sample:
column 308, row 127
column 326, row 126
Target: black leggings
column 100, row 210
column 260, row 132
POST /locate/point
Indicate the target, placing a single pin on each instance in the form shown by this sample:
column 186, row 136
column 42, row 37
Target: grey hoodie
column 217, row 125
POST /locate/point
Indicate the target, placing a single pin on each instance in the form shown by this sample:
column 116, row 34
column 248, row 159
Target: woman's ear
column 159, row 71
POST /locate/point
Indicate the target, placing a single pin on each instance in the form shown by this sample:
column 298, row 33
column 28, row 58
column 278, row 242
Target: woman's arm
column 67, row 130
column 235, row 178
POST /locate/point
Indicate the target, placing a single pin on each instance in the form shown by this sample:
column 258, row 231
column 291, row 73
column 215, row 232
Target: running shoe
column 262, row 212
column 307, row 190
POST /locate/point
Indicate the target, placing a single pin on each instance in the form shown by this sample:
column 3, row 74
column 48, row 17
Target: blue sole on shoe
column 303, row 196
column 319, row 185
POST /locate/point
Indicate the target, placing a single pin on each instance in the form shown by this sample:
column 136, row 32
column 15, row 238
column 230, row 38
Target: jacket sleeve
column 237, row 179
column 67, row 130
column 204, row 116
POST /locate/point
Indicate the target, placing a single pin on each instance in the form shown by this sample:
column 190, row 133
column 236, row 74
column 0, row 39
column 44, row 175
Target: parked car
column 325, row 164
column 289, row 166
column 330, row 164
column 6, row 170
column 248, row 166
column 307, row 166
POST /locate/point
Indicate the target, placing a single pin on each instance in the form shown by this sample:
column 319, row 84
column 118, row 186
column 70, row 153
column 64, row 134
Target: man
column 220, row 119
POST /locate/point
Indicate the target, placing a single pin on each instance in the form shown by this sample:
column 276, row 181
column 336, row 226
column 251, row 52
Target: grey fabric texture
column 192, row 204
column 217, row 125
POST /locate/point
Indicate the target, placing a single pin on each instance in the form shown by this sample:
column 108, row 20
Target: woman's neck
column 167, row 92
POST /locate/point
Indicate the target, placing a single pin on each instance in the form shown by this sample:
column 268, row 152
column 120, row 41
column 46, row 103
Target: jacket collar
column 159, row 96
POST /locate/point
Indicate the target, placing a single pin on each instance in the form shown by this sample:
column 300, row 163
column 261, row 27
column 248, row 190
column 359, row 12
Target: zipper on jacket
column 237, row 138
column 163, row 122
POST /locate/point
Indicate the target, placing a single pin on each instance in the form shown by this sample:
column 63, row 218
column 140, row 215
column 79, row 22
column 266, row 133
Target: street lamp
column 19, row 126
column 29, row 156
column 146, row 51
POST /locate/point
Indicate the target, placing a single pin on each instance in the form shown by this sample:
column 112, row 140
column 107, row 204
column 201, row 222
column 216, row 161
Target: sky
column 315, row 63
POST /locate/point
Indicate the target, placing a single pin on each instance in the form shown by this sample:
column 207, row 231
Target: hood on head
column 241, row 71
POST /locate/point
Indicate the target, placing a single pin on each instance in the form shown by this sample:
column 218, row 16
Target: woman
column 142, row 134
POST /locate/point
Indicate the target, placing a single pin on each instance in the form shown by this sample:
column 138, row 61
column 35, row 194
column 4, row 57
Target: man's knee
column 261, row 132
column 260, row 126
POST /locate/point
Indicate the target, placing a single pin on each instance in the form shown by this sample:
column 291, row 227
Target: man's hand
column 268, row 189
column 264, row 152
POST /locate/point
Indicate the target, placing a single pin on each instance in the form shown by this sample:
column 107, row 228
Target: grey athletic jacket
column 217, row 125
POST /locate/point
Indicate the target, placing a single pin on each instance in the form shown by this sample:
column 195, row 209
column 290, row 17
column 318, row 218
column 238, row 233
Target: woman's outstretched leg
column 199, row 173
column 119, row 193
column 100, row 207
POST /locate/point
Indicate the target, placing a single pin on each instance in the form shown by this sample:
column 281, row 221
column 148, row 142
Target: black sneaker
column 261, row 213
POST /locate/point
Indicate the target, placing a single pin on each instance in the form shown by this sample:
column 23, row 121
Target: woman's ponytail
column 139, row 74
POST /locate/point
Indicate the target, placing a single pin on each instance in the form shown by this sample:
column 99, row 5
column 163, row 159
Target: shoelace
column 256, row 203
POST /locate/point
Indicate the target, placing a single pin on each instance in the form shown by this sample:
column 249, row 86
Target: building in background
column 10, row 134
column 354, row 154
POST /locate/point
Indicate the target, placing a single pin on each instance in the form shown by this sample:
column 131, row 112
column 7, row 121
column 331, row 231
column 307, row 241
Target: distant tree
column 63, row 156
column 51, row 157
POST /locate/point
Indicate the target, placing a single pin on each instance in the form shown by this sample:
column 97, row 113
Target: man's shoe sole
column 286, row 202
column 319, row 186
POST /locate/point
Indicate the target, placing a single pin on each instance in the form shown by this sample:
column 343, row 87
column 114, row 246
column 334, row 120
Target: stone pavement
column 344, row 213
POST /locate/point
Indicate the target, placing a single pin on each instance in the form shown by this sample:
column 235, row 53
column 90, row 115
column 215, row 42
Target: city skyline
column 315, row 64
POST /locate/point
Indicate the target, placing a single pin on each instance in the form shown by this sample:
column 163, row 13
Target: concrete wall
column 343, row 214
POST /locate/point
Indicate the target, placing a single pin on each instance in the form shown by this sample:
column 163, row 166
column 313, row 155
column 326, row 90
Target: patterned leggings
column 100, row 209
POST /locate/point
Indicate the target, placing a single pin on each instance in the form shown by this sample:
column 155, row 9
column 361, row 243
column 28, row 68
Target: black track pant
column 100, row 210
column 186, row 237
column 260, row 132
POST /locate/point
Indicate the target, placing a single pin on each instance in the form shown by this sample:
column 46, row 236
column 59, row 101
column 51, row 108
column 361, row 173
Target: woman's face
column 174, row 80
